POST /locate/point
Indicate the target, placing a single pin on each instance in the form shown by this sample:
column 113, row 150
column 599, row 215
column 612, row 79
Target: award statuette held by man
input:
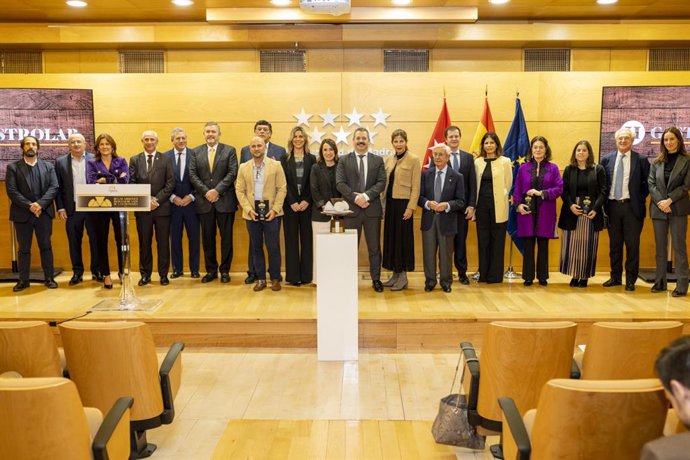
column 261, row 208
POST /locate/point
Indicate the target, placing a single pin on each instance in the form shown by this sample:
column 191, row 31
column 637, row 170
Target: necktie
column 438, row 186
column 456, row 166
column 179, row 165
column 618, row 186
column 149, row 162
column 211, row 156
column 362, row 178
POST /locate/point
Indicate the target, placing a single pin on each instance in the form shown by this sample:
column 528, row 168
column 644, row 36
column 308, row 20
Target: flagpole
column 511, row 274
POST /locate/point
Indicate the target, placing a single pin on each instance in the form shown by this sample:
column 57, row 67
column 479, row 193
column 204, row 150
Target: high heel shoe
column 582, row 283
column 105, row 282
column 574, row 282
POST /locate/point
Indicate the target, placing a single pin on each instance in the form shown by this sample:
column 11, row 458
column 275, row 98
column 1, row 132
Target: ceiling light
column 76, row 3
column 182, row 2
column 607, row 2
column 280, row 2
column 401, row 2
column 498, row 2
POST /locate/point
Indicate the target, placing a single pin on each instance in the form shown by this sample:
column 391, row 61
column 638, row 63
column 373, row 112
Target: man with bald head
column 71, row 171
column 151, row 167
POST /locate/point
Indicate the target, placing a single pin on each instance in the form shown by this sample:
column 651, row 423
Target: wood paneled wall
column 564, row 107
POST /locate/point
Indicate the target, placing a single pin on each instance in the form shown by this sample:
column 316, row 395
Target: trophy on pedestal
column 337, row 210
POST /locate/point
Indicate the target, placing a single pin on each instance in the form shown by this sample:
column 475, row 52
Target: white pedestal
column 336, row 296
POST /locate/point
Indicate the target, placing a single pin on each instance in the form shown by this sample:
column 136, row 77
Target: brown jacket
column 275, row 186
column 408, row 173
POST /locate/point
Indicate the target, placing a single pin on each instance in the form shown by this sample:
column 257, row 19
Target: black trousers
column 491, row 240
column 299, row 250
column 184, row 217
column 43, row 228
column 224, row 221
column 74, row 226
column 102, row 222
column 260, row 231
column 624, row 229
column 147, row 224
column 372, row 232
column 542, row 258
column 460, row 244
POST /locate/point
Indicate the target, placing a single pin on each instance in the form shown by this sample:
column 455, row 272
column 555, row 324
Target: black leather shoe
column 164, row 280
column 677, row 293
column 50, row 284
column 144, row 280
column 378, row 285
column 582, row 283
column 445, row 288
column 96, row 276
column 464, row 279
column 196, row 275
column 527, row 282
column 657, row 288
column 20, row 286
column 543, row 283
column 629, row 286
column 225, row 277
column 176, row 275
column 429, row 287
column 611, row 282
column 574, row 282
column 76, row 279
column 208, row 277
column 250, row 279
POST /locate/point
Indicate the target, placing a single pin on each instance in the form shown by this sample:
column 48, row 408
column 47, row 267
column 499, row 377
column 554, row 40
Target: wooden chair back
column 28, row 347
column 42, row 418
column 518, row 358
column 592, row 419
column 108, row 360
column 626, row 350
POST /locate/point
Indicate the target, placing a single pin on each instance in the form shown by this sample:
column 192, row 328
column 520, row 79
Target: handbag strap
column 462, row 376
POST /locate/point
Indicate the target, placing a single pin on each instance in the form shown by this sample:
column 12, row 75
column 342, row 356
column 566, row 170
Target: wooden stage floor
column 214, row 314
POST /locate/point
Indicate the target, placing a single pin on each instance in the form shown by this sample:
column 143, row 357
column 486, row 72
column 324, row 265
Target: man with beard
column 32, row 186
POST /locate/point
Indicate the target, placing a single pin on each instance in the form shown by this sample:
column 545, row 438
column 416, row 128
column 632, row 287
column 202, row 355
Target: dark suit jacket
column 596, row 190
column 347, row 178
column 222, row 178
column 291, row 177
column 674, row 447
column 469, row 178
column 676, row 189
column 183, row 186
column 453, row 193
column 20, row 193
column 63, row 169
column 274, row 151
column 322, row 190
column 637, row 183
column 160, row 177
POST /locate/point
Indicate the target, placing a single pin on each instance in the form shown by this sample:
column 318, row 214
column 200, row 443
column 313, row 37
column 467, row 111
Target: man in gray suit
column 360, row 177
column 31, row 187
column 213, row 171
column 151, row 167
column 71, row 170
column 264, row 130
column 673, row 368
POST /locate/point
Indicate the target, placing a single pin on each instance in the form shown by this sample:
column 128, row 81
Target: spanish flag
column 486, row 124
column 438, row 136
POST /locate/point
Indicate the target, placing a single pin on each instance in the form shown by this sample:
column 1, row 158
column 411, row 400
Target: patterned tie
column 438, row 186
column 211, row 156
column 618, row 186
column 362, row 178
column 149, row 162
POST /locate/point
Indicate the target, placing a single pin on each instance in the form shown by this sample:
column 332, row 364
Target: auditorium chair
column 28, row 348
column 43, row 418
column 586, row 419
column 108, row 360
column 517, row 359
column 625, row 350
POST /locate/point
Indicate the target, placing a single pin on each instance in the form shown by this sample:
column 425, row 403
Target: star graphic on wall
column 372, row 135
column 315, row 136
column 302, row 117
column 329, row 118
column 354, row 117
column 380, row 118
column 341, row 136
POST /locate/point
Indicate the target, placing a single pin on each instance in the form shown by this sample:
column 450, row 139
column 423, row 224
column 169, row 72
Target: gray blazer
column 676, row 189
column 222, row 178
column 347, row 179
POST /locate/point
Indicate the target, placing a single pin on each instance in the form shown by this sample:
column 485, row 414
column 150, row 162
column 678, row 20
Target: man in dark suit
column 71, row 170
column 361, row 177
column 626, row 192
column 673, row 369
column 213, row 171
column 463, row 163
column 32, row 186
column 182, row 212
column 442, row 196
column 151, row 167
column 264, row 130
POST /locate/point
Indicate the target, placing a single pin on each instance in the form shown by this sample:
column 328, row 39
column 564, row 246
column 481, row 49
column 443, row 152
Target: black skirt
column 398, row 237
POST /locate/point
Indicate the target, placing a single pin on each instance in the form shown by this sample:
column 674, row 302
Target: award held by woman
column 529, row 202
column 261, row 208
column 586, row 205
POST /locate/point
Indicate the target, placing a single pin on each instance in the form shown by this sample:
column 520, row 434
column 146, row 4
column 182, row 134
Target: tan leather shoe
column 275, row 285
column 260, row 285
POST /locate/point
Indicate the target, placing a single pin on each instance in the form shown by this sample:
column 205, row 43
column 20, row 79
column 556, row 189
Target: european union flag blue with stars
column 516, row 147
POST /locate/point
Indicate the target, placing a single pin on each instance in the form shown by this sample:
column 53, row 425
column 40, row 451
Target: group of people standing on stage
column 201, row 188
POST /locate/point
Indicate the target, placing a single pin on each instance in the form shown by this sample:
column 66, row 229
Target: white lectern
column 337, row 297
column 121, row 198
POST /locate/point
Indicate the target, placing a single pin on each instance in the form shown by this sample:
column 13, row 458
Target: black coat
column 596, row 190
column 453, row 193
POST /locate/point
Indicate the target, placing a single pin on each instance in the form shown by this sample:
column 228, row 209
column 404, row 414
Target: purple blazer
column 96, row 169
column 552, row 188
